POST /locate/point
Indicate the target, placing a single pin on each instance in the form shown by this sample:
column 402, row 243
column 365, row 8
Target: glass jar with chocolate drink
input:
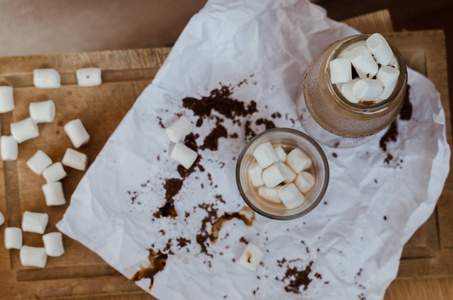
column 352, row 90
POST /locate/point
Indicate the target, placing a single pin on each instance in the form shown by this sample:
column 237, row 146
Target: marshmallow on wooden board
column 388, row 76
column 6, row 99
column 346, row 91
column 54, row 172
column 265, row 155
column 53, row 193
column 87, row 77
column 270, row 194
column 340, row 70
column 34, row 222
column 75, row 159
column 255, row 172
column 183, row 155
column 53, row 243
column 13, row 238
column 39, row 162
column 298, row 160
column 276, row 174
column 363, row 61
column 179, row 129
column 251, row 257
column 380, row 49
column 367, row 89
column 76, row 133
column 42, row 112
column 24, row 130
column 9, row 148
column 46, row 78
column 291, row 196
column 33, row 256
column 2, row 219
column 280, row 153
column 304, row 182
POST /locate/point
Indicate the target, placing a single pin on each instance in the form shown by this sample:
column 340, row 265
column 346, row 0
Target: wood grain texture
column 378, row 21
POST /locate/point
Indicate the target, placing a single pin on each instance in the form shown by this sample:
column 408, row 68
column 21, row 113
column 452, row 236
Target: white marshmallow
column 76, row 133
column 340, row 70
column 298, row 160
column 2, row 219
column 34, row 222
column 265, row 155
column 291, row 196
column 75, row 159
column 304, row 182
column 179, row 129
column 380, row 49
column 255, row 173
column 24, row 130
column 183, row 155
column 6, row 99
column 33, row 257
column 280, row 153
column 46, row 78
column 54, row 173
column 53, row 243
column 9, row 148
column 270, row 194
column 363, row 62
column 13, row 238
column 388, row 76
column 367, row 89
column 53, row 193
column 394, row 63
column 89, row 77
column 251, row 257
column 346, row 90
column 42, row 112
column 39, row 162
column 276, row 174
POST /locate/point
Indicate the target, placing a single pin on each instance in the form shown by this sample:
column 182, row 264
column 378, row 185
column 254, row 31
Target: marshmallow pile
column 176, row 132
column 281, row 177
column 376, row 66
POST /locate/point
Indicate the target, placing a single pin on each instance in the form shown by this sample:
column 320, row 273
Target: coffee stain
column 157, row 263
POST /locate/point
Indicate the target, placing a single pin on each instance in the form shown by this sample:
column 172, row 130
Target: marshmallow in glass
column 291, row 196
column 265, row 155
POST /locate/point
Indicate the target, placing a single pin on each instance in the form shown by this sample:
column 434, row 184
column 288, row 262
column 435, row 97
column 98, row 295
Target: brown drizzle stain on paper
column 157, row 263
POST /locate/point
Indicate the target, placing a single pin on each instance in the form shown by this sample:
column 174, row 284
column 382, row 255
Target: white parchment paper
column 348, row 247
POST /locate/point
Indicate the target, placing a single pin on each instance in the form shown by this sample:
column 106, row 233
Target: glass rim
column 319, row 197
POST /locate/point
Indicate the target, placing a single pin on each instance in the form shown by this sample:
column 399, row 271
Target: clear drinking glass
column 290, row 138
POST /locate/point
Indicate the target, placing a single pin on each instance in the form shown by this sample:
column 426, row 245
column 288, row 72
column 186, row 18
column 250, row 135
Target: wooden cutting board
column 80, row 272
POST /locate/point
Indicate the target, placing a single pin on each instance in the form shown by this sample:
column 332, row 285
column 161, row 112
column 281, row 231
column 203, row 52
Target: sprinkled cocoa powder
column 296, row 279
column 390, row 136
column 182, row 242
column 406, row 110
column 276, row 115
column 157, row 263
column 172, row 187
column 243, row 240
column 211, row 141
column 268, row 124
column 249, row 133
column 161, row 124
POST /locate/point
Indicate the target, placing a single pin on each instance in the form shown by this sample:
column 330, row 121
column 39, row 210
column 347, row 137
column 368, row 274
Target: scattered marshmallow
column 76, row 133
column 53, row 243
column 24, row 130
column 346, row 90
column 33, row 257
column 42, row 112
column 9, row 148
column 340, row 70
column 34, row 222
column 2, row 219
column 89, row 77
column 265, row 155
column 75, row 159
column 13, row 238
column 388, row 76
column 367, row 89
column 54, row 172
column 363, row 62
column 179, row 129
column 276, row 174
column 39, row 162
column 298, row 160
column 304, row 182
column 270, row 194
column 255, row 173
column 280, row 153
column 53, row 193
column 6, row 99
column 46, row 78
column 380, row 49
column 291, row 196
column 183, row 155
column 251, row 257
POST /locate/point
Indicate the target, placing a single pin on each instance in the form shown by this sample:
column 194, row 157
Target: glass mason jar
column 329, row 117
column 289, row 138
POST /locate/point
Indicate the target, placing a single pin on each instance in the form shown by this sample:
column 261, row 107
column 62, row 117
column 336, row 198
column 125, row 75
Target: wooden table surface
column 426, row 270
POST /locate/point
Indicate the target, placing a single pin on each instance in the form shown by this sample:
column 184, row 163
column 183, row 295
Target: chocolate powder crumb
column 249, row 133
column 268, row 124
column 406, row 110
column 334, row 155
column 233, row 260
column 296, row 279
column 211, row 141
column 359, row 273
column 158, row 158
column 276, row 115
column 390, row 136
column 336, row 144
column 167, row 248
column 234, row 135
column 243, row 240
column 361, row 297
column 172, row 187
column 388, row 158
column 191, row 141
column 385, row 218
column 162, row 232
column 375, row 181
column 220, row 198
column 182, row 242
column 161, row 124
column 157, row 263
column 317, row 275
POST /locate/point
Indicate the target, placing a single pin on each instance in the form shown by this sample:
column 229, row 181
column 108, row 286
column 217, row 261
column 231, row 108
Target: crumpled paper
column 347, row 248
